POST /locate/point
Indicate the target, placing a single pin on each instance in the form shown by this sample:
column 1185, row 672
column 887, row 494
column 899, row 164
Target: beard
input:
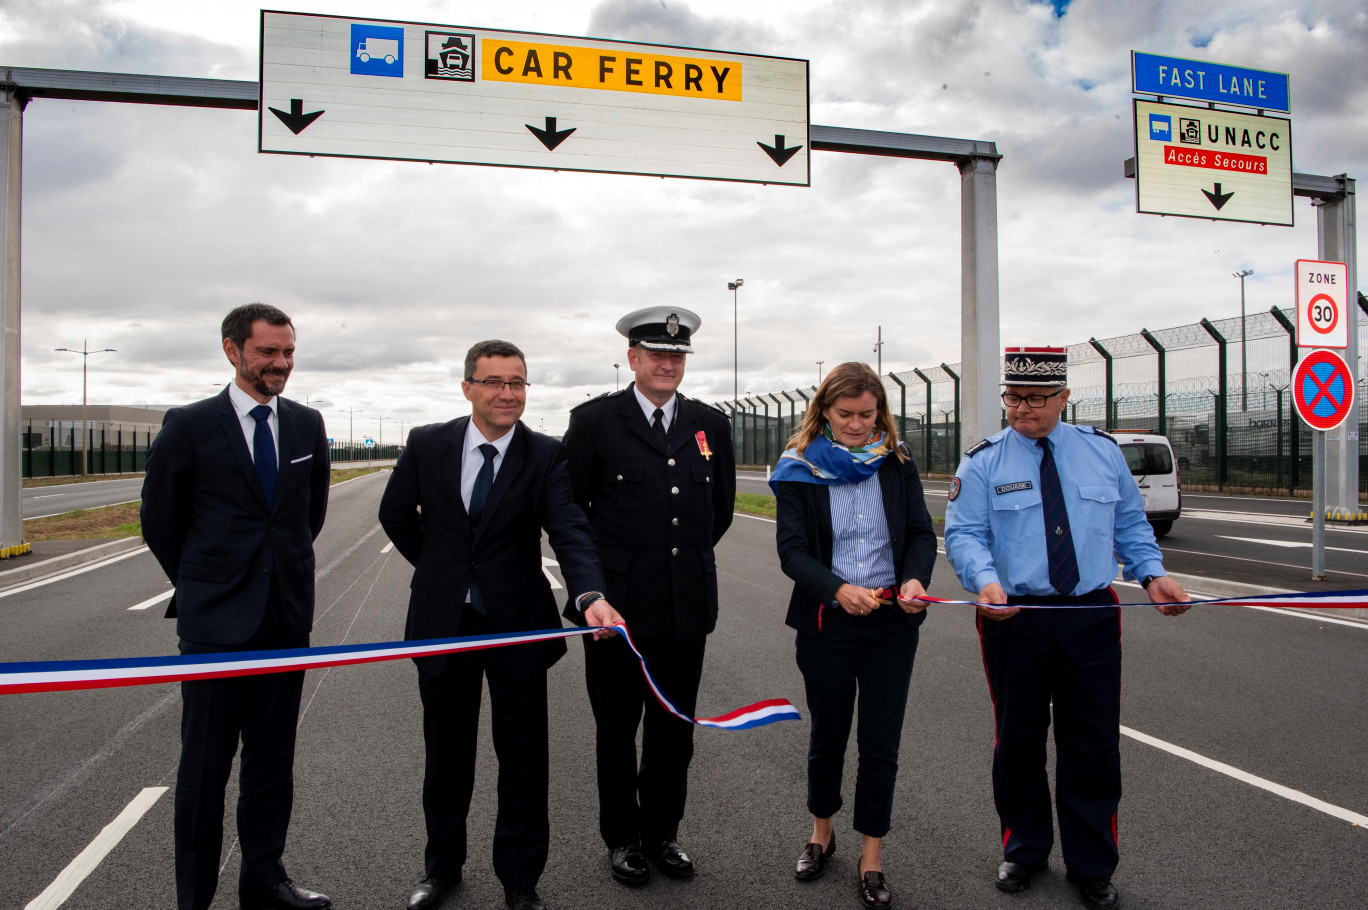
column 266, row 381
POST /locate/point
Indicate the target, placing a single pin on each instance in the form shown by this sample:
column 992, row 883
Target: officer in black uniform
column 654, row 471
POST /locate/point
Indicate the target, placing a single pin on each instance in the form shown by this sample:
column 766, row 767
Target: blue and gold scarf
column 825, row 461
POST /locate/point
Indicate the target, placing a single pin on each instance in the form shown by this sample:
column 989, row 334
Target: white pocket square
column 302, row 458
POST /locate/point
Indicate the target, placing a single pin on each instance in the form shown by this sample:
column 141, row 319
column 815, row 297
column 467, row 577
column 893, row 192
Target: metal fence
column 1223, row 402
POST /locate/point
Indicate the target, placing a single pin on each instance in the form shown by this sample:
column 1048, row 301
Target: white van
column 1155, row 470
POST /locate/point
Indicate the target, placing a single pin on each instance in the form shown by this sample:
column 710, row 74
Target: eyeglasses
column 494, row 385
column 1011, row 399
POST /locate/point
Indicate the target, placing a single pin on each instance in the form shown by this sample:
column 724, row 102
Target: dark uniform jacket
column 656, row 514
column 206, row 519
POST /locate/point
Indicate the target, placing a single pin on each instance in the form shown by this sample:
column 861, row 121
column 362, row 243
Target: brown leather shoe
column 812, row 863
column 874, row 892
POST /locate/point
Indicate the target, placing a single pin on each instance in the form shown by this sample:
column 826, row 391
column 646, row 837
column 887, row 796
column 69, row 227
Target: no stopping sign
column 1323, row 390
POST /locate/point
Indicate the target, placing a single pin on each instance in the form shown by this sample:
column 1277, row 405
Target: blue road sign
column 369, row 443
column 377, row 50
column 1201, row 80
column 330, row 440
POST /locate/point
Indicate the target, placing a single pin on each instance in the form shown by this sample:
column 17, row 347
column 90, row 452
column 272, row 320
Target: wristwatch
column 1145, row 582
column 586, row 600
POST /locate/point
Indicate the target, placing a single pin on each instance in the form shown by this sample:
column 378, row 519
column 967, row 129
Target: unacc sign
column 364, row 88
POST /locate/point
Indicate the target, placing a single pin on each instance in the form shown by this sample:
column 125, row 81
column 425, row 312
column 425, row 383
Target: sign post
column 1323, row 394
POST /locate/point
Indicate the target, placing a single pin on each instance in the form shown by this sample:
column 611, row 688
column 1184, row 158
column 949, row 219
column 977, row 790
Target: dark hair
column 848, row 380
column 492, row 348
column 237, row 325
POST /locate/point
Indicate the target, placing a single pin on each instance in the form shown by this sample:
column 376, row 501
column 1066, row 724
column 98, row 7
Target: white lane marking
column 1318, row 617
column 1262, row 562
column 165, row 595
column 389, row 546
column 47, row 496
column 546, row 564
column 65, row 511
column 1289, row 544
column 86, row 861
column 73, row 573
column 756, row 517
column 1295, row 796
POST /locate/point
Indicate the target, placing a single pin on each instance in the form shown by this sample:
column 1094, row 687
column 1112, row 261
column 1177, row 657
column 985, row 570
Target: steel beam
column 11, row 471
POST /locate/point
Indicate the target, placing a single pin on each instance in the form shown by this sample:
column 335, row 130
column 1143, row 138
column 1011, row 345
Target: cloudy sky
column 143, row 225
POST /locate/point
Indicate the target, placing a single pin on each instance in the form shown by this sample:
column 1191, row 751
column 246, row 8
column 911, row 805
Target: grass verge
column 341, row 474
column 756, row 504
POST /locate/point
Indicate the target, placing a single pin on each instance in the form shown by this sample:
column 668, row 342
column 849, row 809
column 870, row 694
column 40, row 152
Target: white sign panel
column 365, row 88
column 1204, row 163
column 1322, row 301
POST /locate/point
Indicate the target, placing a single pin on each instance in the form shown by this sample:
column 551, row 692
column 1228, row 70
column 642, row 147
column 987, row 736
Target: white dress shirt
column 648, row 408
column 472, row 459
column 243, row 404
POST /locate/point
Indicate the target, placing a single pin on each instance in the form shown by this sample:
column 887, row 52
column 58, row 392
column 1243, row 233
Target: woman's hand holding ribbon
column 909, row 598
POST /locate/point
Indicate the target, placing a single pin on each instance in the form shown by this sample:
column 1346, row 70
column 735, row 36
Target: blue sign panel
column 1202, row 80
column 377, row 50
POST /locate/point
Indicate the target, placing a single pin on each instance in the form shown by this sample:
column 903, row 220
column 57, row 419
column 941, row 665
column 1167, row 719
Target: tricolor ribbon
column 1328, row 600
column 64, row 675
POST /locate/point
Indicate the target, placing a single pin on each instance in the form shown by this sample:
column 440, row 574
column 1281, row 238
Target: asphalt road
column 1271, row 695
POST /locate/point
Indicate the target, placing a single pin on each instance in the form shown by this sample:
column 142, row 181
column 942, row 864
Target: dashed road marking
column 389, row 546
column 165, row 595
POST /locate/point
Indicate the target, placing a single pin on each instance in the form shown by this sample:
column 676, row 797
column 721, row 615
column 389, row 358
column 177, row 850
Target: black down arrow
column 550, row 137
column 296, row 119
column 1218, row 198
column 777, row 151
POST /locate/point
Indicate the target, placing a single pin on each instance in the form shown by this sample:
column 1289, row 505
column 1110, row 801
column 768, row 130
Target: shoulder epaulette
column 980, row 446
column 1106, row 436
column 605, row 395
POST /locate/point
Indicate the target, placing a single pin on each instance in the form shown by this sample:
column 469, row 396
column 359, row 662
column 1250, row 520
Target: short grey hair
column 492, row 348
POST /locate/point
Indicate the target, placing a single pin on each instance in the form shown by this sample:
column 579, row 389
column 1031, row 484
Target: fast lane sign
column 1203, row 163
column 364, row 88
column 1323, row 390
column 1322, row 296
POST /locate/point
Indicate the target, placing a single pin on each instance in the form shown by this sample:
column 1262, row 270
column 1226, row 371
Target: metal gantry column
column 980, row 337
column 1335, row 221
column 11, row 471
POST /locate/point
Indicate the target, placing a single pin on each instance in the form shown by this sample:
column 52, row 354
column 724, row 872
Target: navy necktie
column 658, row 424
column 264, row 451
column 1058, row 538
column 484, row 481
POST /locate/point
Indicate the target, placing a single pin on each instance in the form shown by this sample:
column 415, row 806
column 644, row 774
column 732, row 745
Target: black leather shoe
column 1097, row 893
column 523, row 900
column 284, row 896
column 1014, row 877
column 431, row 891
column 629, row 865
column 874, row 892
column 671, row 860
column 813, row 861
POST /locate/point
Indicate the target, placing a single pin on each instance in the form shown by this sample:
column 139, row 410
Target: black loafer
column 523, row 900
column 1096, row 893
column 1014, row 877
column 629, row 865
column 671, row 860
column 431, row 891
column 874, row 892
column 813, row 861
column 284, row 896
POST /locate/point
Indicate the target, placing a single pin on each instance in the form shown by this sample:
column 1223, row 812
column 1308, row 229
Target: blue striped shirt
column 861, row 551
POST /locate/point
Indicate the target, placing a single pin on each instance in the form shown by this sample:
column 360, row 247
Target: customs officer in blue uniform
column 1039, row 514
column 654, row 472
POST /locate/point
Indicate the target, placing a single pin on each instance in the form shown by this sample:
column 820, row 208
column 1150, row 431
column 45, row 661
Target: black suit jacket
column 656, row 511
column 422, row 512
column 206, row 519
column 804, row 538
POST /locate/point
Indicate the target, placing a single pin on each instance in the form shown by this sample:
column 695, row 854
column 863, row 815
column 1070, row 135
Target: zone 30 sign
column 1322, row 295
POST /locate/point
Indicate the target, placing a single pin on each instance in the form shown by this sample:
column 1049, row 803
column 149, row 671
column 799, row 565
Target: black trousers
column 262, row 712
column 642, row 804
column 869, row 657
column 450, row 690
column 1073, row 659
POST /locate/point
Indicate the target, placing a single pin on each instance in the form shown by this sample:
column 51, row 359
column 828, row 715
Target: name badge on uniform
column 1014, row 487
column 703, row 445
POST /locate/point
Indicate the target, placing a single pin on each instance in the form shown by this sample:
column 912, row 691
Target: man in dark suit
column 234, row 496
column 655, row 473
column 466, row 505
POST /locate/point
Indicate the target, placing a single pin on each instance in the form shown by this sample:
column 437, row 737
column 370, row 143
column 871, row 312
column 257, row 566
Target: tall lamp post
column 819, row 371
column 1244, row 361
column 617, row 376
column 85, row 353
column 878, row 349
column 736, row 336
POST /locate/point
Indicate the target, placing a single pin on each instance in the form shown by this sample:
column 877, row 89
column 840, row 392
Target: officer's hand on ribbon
column 601, row 613
column 855, row 600
column 993, row 594
column 909, row 596
column 1168, row 593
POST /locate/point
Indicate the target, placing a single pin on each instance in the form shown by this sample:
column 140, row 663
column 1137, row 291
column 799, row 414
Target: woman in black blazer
column 855, row 536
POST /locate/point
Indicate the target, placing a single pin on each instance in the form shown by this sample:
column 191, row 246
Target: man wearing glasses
column 466, row 505
column 1038, row 514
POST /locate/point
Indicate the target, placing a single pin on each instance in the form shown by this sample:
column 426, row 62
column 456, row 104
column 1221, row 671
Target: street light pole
column 1244, row 361
column 85, row 353
column 617, row 377
column 819, row 371
column 736, row 337
column 878, row 349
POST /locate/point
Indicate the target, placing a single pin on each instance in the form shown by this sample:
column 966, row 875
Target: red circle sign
column 1323, row 390
column 1323, row 313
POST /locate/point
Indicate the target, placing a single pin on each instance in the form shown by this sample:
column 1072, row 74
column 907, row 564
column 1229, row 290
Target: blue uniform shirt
column 994, row 524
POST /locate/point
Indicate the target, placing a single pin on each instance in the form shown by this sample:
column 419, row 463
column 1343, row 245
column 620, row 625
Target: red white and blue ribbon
column 64, row 675
column 1327, row 600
